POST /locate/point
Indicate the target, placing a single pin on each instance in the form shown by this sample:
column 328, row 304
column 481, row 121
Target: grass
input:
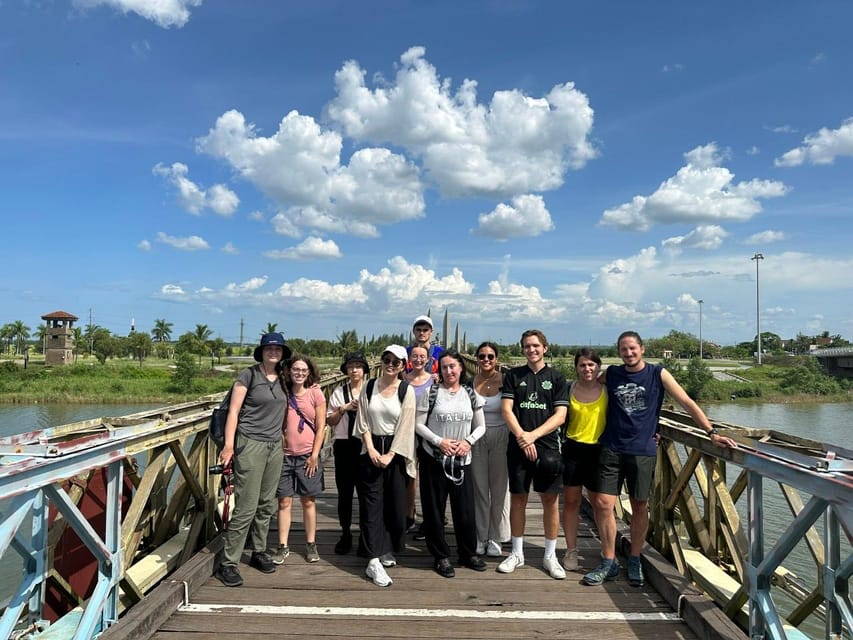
column 113, row 382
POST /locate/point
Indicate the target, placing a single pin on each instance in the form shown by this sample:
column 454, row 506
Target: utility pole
column 241, row 334
column 758, row 257
column 701, row 302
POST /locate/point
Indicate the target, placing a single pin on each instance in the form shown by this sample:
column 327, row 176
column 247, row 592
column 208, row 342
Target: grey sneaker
column 388, row 560
column 607, row 570
column 280, row 553
column 635, row 572
column 311, row 554
column 570, row 560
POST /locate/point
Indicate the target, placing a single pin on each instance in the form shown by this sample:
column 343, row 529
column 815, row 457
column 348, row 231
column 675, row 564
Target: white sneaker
column 512, row 562
column 481, row 547
column 376, row 572
column 552, row 566
column 570, row 560
column 493, row 549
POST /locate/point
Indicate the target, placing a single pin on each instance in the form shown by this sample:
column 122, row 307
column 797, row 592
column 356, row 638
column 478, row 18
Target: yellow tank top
column 586, row 419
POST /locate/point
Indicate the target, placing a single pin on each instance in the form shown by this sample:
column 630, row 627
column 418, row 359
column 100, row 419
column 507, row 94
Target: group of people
column 478, row 444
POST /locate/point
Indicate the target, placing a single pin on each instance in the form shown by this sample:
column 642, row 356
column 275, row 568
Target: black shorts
column 637, row 472
column 580, row 464
column 523, row 473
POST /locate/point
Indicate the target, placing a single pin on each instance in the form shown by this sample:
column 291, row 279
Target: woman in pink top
column 301, row 472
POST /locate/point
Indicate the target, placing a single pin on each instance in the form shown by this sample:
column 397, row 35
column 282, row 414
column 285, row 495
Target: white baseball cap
column 423, row 320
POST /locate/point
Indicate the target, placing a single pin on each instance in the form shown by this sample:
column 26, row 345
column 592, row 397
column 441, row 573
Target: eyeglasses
column 392, row 361
column 302, row 371
column 486, row 356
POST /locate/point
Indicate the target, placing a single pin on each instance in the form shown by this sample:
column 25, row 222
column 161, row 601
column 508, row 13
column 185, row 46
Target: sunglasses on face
column 486, row 356
column 392, row 361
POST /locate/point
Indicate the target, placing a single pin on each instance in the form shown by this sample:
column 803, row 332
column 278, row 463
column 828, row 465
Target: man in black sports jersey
column 534, row 402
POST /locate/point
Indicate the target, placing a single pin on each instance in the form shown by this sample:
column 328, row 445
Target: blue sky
column 580, row 167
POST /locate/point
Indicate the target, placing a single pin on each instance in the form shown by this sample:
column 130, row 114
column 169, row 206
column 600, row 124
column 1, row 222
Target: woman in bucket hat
column 253, row 450
column 343, row 405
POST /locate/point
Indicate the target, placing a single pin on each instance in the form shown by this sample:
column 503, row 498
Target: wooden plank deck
column 334, row 599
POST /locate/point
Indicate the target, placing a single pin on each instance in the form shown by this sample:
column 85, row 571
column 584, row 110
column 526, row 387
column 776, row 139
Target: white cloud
column 753, row 151
column 623, row 280
column 514, row 144
column 312, row 248
column 765, row 237
column 702, row 237
column 190, row 243
column 172, row 290
column 252, row 284
column 701, row 191
column 230, row 249
column 299, row 168
column 785, row 128
column 194, row 198
column 527, row 216
column 144, row 245
column 140, row 48
column 669, row 68
column 822, row 147
column 165, row 13
column 256, row 216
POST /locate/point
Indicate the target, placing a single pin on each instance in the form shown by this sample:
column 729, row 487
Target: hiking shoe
column 261, row 561
column 635, row 572
column 552, row 566
column 512, row 562
column 388, row 560
column 311, row 554
column 493, row 549
column 570, row 560
column 280, row 553
column 376, row 572
column 607, row 570
column 229, row 575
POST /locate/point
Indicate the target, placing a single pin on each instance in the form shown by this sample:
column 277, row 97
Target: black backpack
column 216, row 428
column 433, row 394
column 401, row 389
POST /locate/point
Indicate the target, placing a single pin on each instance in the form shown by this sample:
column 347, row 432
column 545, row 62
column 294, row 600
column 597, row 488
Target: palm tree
column 162, row 331
column 6, row 337
column 77, row 334
column 348, row 341
column 202, row 335
column 272, row 327
column 41, row 332
column 20, row 334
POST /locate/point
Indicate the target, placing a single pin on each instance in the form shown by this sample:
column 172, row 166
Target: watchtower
column 58, row 338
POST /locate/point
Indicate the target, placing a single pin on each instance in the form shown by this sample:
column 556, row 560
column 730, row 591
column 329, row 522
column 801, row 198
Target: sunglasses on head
column 392, row 361
column 486, row 356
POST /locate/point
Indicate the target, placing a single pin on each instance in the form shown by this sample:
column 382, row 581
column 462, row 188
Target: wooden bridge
column 152, row 554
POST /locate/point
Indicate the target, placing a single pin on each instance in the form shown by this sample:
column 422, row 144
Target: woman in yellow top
column 587, row 413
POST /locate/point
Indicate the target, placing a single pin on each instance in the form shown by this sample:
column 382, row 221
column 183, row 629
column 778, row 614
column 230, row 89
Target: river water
column 830, row 423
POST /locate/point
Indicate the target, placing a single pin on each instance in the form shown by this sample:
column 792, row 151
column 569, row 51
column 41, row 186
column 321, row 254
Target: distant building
column 59, row 338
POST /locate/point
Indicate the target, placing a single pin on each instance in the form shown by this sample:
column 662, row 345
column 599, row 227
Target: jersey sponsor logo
column 631, row 397
column 531, row 402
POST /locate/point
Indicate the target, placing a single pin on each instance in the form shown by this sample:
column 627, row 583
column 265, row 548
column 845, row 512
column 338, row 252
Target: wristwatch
column 712, row 432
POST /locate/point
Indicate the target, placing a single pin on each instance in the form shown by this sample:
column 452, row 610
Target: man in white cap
column 422, row 329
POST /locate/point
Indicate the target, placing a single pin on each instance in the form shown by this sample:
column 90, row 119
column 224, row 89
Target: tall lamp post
column 701, row 354
column 758, row 257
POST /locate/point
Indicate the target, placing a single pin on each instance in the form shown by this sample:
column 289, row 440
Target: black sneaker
column 261, row 561
column 228, row 575
column 444, row 568
column 474, row 562
column 410, row 524
column 419, row 532
column 343, row 546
